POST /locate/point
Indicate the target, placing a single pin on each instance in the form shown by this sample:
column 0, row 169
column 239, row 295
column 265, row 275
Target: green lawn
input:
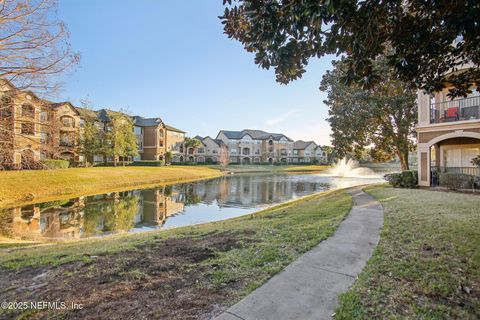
column 427, row 264
column 22, row 187
column 183, row 273
column 272, row 168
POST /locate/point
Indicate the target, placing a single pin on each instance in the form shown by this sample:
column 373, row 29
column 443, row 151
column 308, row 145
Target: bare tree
column 34, row 47
column 223, row 158
column 6, row 132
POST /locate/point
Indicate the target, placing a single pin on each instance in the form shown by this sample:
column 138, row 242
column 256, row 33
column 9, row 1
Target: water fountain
column 349, row 169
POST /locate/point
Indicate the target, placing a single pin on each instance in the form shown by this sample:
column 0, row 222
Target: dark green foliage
column 476, row 161
column 55, row 164
column 456, row 181
column 147, row 163
column 427, row 38
column 404, row 179
column 383, row 118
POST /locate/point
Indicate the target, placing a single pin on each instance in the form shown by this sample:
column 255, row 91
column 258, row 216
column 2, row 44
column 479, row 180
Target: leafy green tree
column 190, row 143
column 383, row 118
column 121, row 139
column 427, row 38
column 168, row 157
column 90, row 140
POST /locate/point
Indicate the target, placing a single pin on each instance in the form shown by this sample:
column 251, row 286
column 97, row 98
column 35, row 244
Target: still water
column 163, row 207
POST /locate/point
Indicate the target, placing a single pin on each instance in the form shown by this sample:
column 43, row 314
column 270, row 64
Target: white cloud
column 281, row 118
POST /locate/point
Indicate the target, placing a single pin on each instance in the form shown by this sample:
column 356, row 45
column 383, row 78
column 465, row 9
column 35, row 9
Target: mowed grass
column 427, row 264
column 197, row 270
column 22, row 187
column 273, row 168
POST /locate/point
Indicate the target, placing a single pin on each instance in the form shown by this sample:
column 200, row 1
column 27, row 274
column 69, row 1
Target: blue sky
column 170, row 59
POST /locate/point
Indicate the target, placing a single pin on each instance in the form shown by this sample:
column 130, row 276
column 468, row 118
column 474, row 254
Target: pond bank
column 23, row 187
column 189, row 272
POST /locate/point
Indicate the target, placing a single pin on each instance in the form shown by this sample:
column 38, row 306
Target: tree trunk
column 403, row 156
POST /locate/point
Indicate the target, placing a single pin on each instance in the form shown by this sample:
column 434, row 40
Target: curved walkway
column 308, row 288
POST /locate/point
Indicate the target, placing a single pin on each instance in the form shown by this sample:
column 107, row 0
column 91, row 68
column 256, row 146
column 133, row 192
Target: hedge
column 147, row 163
column 456, row 181
column 55, row 164
column 404, row 179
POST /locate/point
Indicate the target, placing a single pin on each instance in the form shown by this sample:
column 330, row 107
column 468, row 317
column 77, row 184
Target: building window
column 233, row 151
column 295, row 152
column 160, row 133
column 43, row 116
column 67, row 121
column 257, row 151
column 43, row 137
column 270, row 142
column 28, row 110
column 82, row 123
column 138, row 130
column 28, row 128
column 201, row 150
column 214, row 151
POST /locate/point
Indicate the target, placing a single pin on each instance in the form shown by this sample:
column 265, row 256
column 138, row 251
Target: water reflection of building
column 51, row 220
column 124, row 211
column 93, row 215
column 251, row 191
column 156, row 205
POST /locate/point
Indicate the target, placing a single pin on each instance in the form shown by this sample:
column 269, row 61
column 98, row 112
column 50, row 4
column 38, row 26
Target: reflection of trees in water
column 94, row 215
column 6, row 220
column 114, row 213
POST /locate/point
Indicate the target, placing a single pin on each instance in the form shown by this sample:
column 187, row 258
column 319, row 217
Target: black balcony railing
column 455, row 110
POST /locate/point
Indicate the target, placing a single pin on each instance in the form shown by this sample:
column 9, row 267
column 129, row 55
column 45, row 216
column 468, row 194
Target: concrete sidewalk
column 308, row 288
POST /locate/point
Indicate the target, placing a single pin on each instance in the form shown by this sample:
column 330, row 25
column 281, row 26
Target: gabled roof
column 173, row 129
column 255, row 134
column 68, row 103
column 146, row 122
column 219, row 142
column 301, row 145
column 86, row 113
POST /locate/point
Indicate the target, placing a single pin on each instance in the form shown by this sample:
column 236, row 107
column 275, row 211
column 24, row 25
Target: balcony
column 455, row 110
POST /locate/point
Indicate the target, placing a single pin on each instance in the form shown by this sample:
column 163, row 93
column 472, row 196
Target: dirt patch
column 164, row 279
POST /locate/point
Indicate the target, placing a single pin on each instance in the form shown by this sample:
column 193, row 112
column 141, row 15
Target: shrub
column 404, row 179
column 55, row 164
column 456, row 181
column 147, row 163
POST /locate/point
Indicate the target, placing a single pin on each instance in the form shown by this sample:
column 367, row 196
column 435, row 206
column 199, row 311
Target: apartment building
column 257, row 146
column 155, row 138
column 448, row 134
column 307, row 151
column 253, row 146
column 208, row 152
column 35, row 129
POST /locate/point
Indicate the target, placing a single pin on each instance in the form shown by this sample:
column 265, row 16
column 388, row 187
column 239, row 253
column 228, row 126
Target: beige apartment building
column 253, row 146
column 448, row 135
column 208, row 152
column 307, row 151
column 34, row 129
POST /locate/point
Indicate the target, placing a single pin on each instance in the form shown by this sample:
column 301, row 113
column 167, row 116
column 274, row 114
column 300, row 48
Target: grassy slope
column 427, row 264
column 21, row 187
column 254, row 248
column 272, row 169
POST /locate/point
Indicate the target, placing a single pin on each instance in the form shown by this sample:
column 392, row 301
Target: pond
column 163, row 207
